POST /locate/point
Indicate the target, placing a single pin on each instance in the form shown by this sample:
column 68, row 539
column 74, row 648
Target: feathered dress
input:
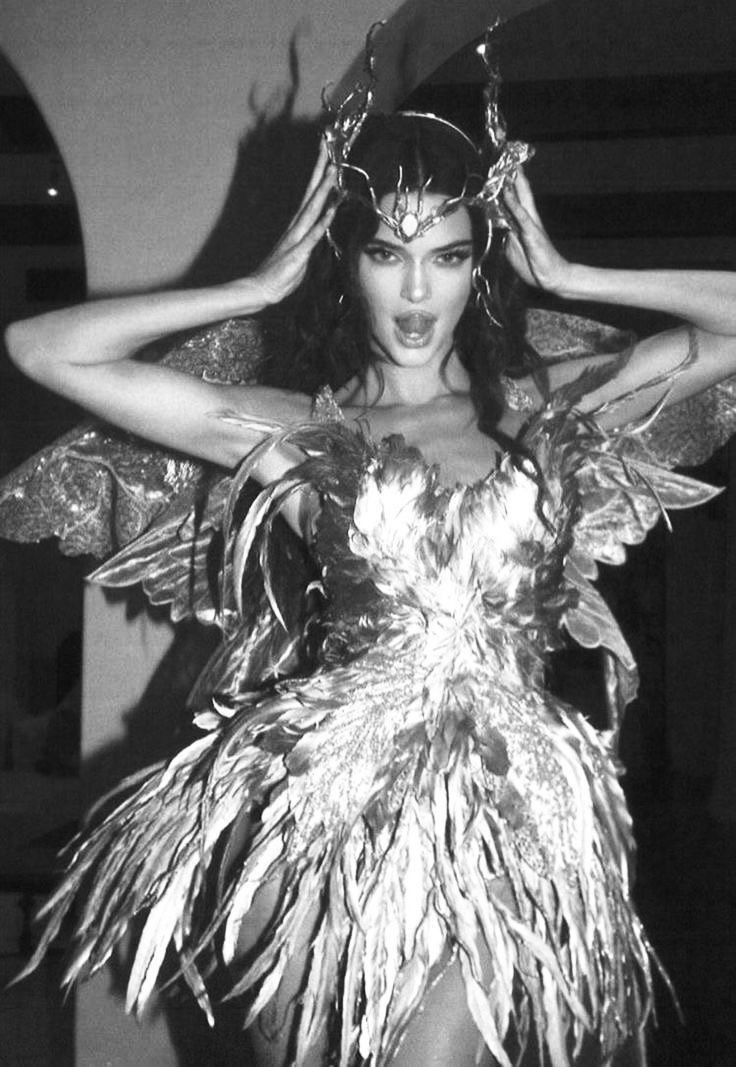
column 418, row 793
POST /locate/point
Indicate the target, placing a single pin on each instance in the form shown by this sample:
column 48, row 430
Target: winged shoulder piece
column 623, row 478
column 623, row 492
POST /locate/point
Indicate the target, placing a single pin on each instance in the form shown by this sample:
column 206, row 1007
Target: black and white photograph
column 367, row 533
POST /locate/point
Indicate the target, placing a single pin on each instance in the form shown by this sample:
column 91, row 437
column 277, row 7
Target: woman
column 422, row 854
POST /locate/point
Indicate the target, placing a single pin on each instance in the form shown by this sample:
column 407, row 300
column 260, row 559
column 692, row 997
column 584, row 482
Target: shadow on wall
column 274, row 163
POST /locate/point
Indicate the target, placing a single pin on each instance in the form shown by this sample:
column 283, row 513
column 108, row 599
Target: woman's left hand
column 528, row 248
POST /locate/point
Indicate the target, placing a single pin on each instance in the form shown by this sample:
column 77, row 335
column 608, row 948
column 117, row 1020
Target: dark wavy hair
column 330, row 341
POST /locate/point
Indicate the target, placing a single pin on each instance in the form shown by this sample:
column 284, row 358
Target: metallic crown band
column 498, row 158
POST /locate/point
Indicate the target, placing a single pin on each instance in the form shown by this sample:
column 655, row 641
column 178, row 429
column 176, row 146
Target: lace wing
column 96, row 488
column 685, row 433
column 556, row 336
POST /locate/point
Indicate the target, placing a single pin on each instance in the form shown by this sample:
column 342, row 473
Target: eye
column 379, row 254
column 454, row 257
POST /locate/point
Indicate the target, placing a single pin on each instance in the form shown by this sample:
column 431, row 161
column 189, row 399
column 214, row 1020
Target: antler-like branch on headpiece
column 346, row 121
column 509, row 155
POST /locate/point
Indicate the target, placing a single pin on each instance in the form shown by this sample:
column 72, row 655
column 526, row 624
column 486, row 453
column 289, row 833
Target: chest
column 446, row 434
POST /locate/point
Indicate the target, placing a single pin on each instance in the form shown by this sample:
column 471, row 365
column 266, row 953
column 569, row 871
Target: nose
column 415, row 283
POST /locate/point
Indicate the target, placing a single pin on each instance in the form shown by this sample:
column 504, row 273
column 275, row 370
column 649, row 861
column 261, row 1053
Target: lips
column 416, row 324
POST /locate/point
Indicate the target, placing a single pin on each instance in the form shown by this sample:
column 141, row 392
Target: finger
column 294, row 263
column 301, row 244
column 522, row 219
column 312, row 210
column 318, row 229
column 513, row 248
column 318, row 173
column 523, row 231
column 518, row 215
column 525, row 195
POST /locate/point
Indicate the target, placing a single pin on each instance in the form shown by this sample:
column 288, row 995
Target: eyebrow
column 466, row 242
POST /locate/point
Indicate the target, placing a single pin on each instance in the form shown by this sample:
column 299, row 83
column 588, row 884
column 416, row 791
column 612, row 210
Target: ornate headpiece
column 497, row 158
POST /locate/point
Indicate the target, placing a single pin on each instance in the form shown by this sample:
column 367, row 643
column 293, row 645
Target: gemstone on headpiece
column 408, row 225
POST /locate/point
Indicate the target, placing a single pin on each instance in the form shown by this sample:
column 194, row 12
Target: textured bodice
column 466, row 574
column 477, row 579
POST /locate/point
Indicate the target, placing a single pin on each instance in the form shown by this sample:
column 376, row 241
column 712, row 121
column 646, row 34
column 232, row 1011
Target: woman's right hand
column 284, row 268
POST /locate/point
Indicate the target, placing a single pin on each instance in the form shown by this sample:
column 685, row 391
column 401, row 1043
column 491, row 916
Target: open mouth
column 416, row 326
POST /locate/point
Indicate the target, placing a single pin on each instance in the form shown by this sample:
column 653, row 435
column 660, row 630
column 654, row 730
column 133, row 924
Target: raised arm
column 706, row 300
column 87, row 353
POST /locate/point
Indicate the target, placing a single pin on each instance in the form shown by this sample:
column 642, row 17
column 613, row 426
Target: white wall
column 148, row 99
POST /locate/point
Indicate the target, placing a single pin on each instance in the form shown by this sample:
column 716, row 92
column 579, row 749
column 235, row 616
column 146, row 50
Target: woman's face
column 415, row 292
